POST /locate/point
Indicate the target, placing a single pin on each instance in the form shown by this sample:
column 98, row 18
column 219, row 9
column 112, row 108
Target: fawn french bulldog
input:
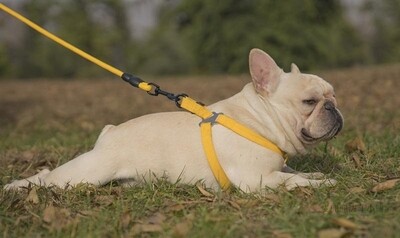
column 293, row 110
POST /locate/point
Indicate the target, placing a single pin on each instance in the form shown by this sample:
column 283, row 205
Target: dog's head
column 306, row 101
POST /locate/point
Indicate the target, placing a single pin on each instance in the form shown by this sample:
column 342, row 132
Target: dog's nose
column 329, row 105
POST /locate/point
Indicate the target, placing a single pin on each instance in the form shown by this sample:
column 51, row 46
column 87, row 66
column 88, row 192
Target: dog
column 295, row 111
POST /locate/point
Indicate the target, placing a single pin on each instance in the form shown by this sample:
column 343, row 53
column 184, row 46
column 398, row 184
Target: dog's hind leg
column 35, row 179
column 92, row 167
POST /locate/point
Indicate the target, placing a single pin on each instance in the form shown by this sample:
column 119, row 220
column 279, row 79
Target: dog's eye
column 310, row 102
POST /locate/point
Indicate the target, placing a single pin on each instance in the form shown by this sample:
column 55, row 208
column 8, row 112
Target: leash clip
column 158, row 91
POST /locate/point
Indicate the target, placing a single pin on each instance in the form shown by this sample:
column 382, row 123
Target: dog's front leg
column 314, row 175
column 291, row 181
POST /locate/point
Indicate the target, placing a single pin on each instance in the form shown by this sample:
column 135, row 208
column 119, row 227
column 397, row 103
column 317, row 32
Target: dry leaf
column 175, row 208
column 273, row 197
column 357, row 190
column 234, row 204
column 314, row 208
column 281, row 234
column 182, row 229
column 157, row 218
column 356, row 145
column 332, row 233
column 345, row 223
column 146, row 228
column 125, row 219
column 331, row 207
column 302, row 191
column 49, row 214
column 247, row 202
column 104, row 200
column 32, row 196
column 27, row 155
column 356, row 159
column 203, row 191
column 385, row 185
column 57, row 218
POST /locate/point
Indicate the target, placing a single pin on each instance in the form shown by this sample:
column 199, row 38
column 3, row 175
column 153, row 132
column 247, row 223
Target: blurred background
column 171, row 37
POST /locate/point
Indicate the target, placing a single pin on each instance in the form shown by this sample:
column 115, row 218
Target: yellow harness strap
column 209, row 118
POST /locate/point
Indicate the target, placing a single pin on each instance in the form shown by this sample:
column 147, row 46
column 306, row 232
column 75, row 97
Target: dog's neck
column 262, row 117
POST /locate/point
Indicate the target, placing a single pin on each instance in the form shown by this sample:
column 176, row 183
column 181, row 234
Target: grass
column 46, row 123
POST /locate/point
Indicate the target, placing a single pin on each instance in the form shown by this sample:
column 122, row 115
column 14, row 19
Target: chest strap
column 209, row 119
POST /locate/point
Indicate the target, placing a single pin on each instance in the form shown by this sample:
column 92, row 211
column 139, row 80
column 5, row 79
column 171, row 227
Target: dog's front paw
column 329, row 182
column 315, row 175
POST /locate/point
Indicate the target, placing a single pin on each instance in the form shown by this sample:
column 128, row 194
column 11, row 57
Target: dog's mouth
column 308, row 138
column 336, row 128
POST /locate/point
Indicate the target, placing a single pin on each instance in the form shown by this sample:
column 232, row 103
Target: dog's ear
column 265, row 73
column 294, row 69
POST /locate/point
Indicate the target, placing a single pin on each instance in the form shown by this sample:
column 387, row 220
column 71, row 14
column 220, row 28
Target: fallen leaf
column 56, row 218
column 125, row 219
column 357, row 190
column 356, row 145
column 272, row 197
column 247, row 202
column 305, row 192
column 314, row 208
column 281, row 234
column 345, row 223
column 203, row 191
column 86, row 213
column 49, row 214
column 104, row 200
column 146, row 228
column 32, row 196
column 27, row 155
column 157, row 218
column 330, row 208
column 332, row 233
column 385, row 185
column 356, row 159
column 333, row 151
column 183, row 228
column 234, row 204
column 175, row 208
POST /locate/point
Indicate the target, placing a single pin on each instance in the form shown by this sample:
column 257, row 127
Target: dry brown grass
column 363, row 93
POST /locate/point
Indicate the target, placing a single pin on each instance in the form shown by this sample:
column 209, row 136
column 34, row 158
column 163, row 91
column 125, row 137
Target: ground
column 45, row 123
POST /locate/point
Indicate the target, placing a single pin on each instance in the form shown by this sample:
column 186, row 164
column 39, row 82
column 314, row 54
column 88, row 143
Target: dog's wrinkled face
column 307, row 102
column 312, row 102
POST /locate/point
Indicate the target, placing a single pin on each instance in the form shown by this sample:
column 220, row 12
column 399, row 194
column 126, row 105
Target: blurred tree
column 5, row 65
column 311, row 33
column 385, row 45
column 163, row 51
column 98, row 27
column 196, row 36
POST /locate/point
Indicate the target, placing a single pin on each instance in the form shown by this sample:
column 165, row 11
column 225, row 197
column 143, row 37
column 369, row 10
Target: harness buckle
column 212, row 119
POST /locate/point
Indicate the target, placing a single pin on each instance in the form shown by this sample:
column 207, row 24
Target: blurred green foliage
column 199, row 36
column 311, row 33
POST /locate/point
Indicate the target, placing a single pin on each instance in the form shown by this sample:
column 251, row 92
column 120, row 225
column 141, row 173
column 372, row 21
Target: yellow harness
column 182, row 100
column 209, row 118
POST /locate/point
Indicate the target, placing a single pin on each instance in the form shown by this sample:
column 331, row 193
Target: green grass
column 32, row 138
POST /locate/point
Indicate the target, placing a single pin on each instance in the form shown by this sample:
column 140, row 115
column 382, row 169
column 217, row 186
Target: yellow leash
column 181, row 100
